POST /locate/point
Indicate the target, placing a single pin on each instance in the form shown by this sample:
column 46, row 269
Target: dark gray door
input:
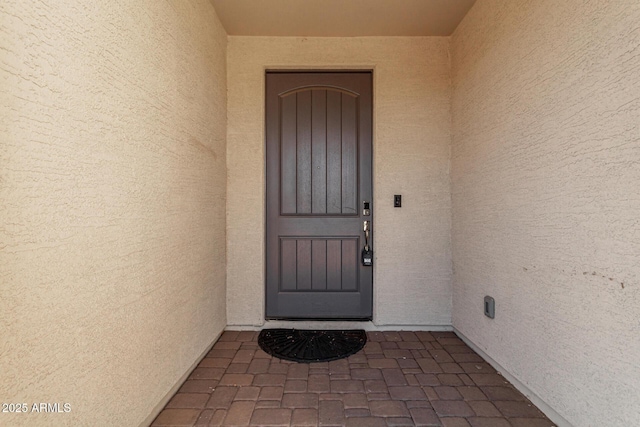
column 318, row 128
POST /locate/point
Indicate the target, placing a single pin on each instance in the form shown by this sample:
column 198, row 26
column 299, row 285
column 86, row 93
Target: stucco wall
column 112, row 183
column 412, row 283
column 546, row 200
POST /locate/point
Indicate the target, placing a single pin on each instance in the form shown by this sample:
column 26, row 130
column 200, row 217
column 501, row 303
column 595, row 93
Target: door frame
column 316, row 69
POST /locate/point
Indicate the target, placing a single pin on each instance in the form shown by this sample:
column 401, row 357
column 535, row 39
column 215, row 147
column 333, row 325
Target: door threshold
column 319, row 319
column 323, row 324
column 318, row 324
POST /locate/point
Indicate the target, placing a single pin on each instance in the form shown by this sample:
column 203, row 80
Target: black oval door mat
column 307, row 346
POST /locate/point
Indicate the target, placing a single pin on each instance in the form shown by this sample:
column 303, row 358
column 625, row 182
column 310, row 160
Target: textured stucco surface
column 112, row 183
column 412, row 276
column 546, row 201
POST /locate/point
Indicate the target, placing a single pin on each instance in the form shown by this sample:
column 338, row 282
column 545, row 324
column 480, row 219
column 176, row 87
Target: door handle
column 367, row 253
column 366, row 227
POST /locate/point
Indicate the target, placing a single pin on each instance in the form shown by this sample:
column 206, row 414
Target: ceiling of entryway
column 341, row 18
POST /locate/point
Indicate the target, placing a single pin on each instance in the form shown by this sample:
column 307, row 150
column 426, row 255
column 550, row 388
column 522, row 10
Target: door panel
column 318, row 173
column 319, row 152
column 319, row 265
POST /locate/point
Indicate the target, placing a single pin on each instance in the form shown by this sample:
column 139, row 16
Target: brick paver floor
column 398, row 379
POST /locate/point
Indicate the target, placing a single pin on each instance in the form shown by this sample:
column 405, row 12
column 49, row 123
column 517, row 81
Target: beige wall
column 545, row 184
column 112, row 148
column 412, row 284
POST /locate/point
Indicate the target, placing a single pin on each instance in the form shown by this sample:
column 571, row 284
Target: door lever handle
column 367, row 253
column 366, row 227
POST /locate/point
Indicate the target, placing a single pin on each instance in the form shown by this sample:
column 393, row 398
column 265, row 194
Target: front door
column 318, row 139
